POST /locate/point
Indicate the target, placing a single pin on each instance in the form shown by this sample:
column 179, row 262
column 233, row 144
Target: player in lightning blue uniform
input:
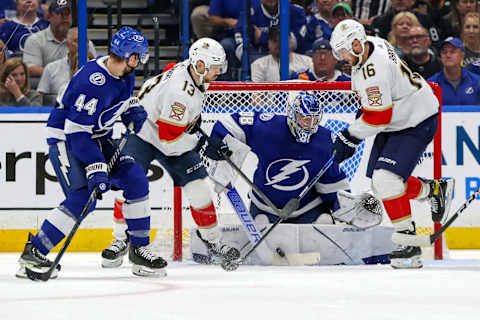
column 80, row 129
column 291, row 150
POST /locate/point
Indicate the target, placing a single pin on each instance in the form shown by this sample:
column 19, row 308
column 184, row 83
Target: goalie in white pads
column 399, row 107
column 173, row 101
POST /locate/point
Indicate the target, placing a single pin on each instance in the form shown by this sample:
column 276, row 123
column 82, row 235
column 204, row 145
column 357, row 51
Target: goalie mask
column 342, row 39
column 211, row 53
column 303, row 116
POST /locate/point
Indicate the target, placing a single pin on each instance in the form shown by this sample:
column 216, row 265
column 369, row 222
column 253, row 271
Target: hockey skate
column 220, row 250
column 112, row 257
column 145, row 263
column 406, row 257
column 31, row 257
column 440, row 196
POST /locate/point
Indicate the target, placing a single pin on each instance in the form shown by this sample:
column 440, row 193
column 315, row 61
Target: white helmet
column 210, row 52
column 343, row 36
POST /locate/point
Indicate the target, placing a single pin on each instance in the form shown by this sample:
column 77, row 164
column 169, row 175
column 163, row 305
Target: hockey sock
column 58, row 224
column 119, row 224
column 399, row 211
column 416, row 189
column 137, row 217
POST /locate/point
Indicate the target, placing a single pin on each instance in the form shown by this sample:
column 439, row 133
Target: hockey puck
column 280, row 252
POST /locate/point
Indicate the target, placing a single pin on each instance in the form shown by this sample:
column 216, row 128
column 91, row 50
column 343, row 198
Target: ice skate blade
column 143, row 271
column 106, row 263
column 22, row 274
column 406, row 263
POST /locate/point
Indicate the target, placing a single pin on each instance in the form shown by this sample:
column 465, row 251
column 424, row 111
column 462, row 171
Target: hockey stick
column 427, row 240
column 265, row 254
column 334, row 243
column 45, row 276
column 291, row 206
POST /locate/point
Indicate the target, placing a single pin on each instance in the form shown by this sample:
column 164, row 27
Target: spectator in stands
column 3, row 54
column 14, row 85
column 398, row 36
column 421, row 57
column 366, row 10
column 199, row 18
column 50, row 44
column 340, row 12
column 471, row 38
column 264, row 15
column 59, row 72
column 456, row 17
column 268, row 68
column 381, row 25
column 318, row 25
column 459, row 86
column 323, row 65
column 15, row 32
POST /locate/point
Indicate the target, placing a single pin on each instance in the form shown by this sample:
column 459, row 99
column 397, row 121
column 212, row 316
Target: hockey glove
column 97, row 177
column 194, row 126
column 216, row 148
column 344, row 146
column 135, row 114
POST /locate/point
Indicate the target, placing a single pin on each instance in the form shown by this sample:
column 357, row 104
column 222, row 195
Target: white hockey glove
column 361, row 211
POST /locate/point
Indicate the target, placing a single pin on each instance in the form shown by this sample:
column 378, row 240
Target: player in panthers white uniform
column 173, row 101
column 399, row 107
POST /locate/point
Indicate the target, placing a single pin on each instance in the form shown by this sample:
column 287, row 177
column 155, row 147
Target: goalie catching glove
column 344, row 146
column 361, row 211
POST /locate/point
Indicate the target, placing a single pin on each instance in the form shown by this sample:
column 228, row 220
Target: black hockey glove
column 194, row 126
column 344, row 146
column 213, row 148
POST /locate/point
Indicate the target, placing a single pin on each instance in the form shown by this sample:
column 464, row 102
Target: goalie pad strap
column 204, row 217
column 398, row 209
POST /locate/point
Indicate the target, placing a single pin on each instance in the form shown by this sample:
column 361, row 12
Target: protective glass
column 144, row 58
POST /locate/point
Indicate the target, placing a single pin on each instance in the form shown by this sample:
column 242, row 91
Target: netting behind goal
column 340, row 105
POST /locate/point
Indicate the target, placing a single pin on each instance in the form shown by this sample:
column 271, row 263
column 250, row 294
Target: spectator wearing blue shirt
column 459, row 86
column 15, row 32
column 318, row 25
column 264, row 15
column 323, row 65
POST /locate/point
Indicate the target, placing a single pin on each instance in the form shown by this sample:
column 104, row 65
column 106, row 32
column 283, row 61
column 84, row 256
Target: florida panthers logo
column 287, row 174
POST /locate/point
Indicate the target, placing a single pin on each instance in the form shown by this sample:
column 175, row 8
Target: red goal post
column 336, row 98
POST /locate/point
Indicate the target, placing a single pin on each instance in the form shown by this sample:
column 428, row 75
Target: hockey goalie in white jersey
column 173, row 101
column 399, row 107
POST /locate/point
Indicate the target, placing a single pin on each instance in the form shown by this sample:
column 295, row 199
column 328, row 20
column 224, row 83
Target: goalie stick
column 427, row 240
column 289, row 207
column 263, row 251
column 45, row 276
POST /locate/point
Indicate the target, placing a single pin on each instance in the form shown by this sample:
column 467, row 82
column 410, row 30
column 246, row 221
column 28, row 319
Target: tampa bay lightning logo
column 97, row 79
column 287, row 174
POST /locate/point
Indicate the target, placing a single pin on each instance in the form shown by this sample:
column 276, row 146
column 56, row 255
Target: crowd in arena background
column 438, row 39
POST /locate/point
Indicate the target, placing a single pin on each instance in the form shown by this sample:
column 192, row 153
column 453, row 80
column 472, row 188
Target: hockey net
column 340, row 105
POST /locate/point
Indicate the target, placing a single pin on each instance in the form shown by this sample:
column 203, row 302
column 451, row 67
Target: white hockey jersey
column 393, row 97
column 172, row 100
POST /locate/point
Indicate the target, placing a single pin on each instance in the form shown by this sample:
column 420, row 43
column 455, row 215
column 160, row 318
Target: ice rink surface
column 448, row 289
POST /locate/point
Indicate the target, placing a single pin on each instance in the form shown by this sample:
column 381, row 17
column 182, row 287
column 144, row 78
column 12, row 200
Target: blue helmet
column 128, row 41
column 304, row 115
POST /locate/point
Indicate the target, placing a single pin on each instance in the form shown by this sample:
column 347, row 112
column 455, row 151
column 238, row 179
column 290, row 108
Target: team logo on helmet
column 138, row 38
column 61, row 2
column 205, row 45
column 97, row 79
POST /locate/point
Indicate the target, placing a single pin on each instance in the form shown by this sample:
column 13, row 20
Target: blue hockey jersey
column 14, row 33
column 263, row 20
column 87, row 109
column 285, row 166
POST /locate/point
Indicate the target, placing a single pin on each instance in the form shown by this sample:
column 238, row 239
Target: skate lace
column 147, row 254
column 117, row 245
column 39, row 255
